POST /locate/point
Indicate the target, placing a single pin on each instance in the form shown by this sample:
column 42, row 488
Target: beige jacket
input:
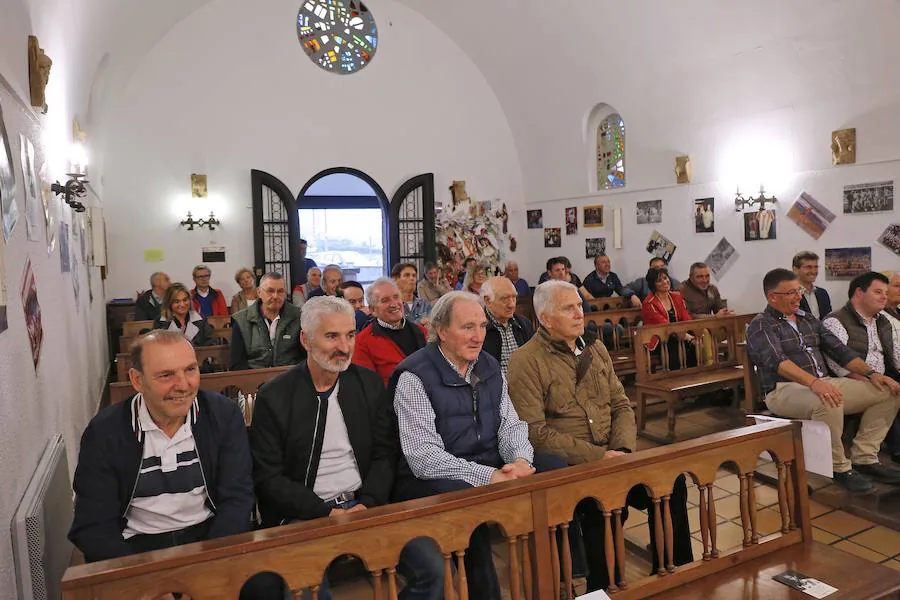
column 576, row 421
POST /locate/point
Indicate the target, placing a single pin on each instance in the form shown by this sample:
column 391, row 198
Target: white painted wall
column 202, row 102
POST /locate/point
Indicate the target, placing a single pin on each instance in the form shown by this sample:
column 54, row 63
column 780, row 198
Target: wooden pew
column 620, row 346
column 721, row 370
column 132, row 329
column 223, row 333
column 610, row 303
column 247, row 382
column 219, row 354
column 529, row 512
column 525, row 308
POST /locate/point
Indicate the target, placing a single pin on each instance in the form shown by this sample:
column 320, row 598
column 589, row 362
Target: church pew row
column 125, row 341
column 228, row 383
column 219, row 355
column 529, row 514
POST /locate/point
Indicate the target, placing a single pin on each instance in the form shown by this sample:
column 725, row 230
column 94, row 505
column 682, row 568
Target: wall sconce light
column 72, row 190
column 211, row 222
column 740, row 202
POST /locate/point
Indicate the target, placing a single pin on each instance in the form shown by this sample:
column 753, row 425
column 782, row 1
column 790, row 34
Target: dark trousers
column 671, row 350
column 158, row 541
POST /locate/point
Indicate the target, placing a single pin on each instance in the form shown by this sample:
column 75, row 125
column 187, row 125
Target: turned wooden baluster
column 567, row 560
column 789, row 486
column 461, row 582
column 377, row 585
column 554, row 561
column 745, row 511
column 704, row 522
column 392, row 583
column 782, row 499
column 314, row 592
column 667, row 528
column 609, row 551
column 658, row 537
column 711, row 517
column 448, row 575
column 514, row 578
column 526, row 563
column 620, row 547
column 751, row 504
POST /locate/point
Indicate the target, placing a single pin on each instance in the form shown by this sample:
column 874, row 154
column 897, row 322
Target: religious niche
column 472, row 229
column 38, row 73
column 338, row 35
column 843, row 147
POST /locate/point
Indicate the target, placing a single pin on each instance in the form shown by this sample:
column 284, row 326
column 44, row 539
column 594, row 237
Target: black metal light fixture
column 211, row 222
column 740, row 202
column 72, row 190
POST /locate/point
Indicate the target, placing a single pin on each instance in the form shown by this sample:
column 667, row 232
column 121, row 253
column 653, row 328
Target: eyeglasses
column 798, row 292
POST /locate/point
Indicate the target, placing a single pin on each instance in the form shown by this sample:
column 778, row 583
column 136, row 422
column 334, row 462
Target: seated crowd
column 396, row 396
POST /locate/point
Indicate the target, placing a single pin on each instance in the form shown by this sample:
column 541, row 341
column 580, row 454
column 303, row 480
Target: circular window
column 338, row 35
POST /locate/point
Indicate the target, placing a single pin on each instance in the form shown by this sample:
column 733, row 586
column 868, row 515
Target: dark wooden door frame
column 426, row 182
column 258, row 179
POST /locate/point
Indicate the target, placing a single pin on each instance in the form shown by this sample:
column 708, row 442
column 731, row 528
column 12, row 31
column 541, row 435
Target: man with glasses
column 267, row 333
column 205, row 300
column 790, row 348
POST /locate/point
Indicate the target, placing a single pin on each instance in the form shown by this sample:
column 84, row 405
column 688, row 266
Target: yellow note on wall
column 154, row 255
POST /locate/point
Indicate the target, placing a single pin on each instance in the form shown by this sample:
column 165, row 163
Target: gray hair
column 314, row 308
column 487, row 288
column 272, row 275
column 545, row 294
column 333, row 268
column 154, row 276
column 442, row 311
column 370, row 293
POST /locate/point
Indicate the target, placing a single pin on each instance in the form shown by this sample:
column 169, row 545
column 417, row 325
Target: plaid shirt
column 424, row 449
column 508, row 343
column 771, row 340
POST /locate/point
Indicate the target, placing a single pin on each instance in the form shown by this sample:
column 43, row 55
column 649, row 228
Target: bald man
column 512, row 273
column 506, row 331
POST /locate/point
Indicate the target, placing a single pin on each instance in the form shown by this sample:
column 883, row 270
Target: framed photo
column 535, row 219
column 890, row 238
column 759, row 225
column 571, row 221
column 593, row 216
column 705, row 215
column 661, row 246
column 810, row 216
column 649, row 211
column 552, row 237
column 846, row 263
column 594, row 247
column 869, row 197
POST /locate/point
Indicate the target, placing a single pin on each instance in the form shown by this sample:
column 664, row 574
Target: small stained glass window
column 338, row 35
column 611, row 153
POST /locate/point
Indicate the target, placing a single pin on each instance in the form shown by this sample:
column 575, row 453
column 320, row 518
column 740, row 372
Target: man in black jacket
column 506, row 331
column 323, row 443
column 171, row 466
column 148, row 305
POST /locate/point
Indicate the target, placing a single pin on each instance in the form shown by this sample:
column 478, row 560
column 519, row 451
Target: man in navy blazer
column 815, row 300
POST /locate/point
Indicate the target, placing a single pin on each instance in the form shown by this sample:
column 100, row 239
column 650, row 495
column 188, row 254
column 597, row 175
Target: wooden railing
column 528, row 513
column 220, row 356
column 615, row 327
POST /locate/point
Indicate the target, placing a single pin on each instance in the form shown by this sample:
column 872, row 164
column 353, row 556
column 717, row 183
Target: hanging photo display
column 535, row 219
column 571, row 221
column 64, row 257
column 759, row 225
column 4, row 321
column 552, row 237
column 661, row 246
column 593, row 216
column 649, row 211
column 869, row 197
column 721, row 258
column 34, row 219
column 594, row 247
column 32, row 313
column 9, row 212
column 890, row 238
column 704, row 215
column 842, row 264
column 810, row 215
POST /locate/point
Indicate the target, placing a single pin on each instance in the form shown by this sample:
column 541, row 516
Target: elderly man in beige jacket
column 562, row 383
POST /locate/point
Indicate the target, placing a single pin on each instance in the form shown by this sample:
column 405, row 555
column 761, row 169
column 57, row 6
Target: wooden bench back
column 132, row 329
column 220, row 355
column 528, row 512
column 628, row 318
column 610, row 303
column 715, row 347
column 525, row 308
column 223, row 333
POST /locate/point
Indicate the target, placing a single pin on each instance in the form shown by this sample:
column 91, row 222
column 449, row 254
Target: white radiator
column 40, row 524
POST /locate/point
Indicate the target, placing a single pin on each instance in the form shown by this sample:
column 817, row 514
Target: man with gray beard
column 323, row 444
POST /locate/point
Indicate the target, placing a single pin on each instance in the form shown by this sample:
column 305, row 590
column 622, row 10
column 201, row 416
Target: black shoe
column 895, row 458
column 878, row 472
column 853, row 482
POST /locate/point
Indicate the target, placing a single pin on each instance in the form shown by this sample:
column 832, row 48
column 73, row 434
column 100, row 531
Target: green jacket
column 251, row 347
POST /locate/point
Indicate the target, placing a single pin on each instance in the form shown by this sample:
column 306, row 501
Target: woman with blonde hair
column 176, row 315
column 476, row 275
column 247, row 296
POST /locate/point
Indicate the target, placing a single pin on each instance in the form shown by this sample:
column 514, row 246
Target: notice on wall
column 213, row 254
column 154, row 255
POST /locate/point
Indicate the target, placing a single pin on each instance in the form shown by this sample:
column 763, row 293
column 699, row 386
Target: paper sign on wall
column 154, row 255
column 213, row 254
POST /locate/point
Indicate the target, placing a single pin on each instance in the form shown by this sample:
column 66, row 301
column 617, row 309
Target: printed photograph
column 4, row 321
column 721, row 258
column 759, row 225
column 869, row 197
column 9, row 212
column 705, row 215
column 535, row 219
column 64, row 257
column 594, row 247
column 571, row 221
column 810, row 215
column 34, row 219
column 552, row 237
column 846, row 263
column 661, row 246
column 593, row 216
column 32, row 313
column 890, row 238
column 649, row 211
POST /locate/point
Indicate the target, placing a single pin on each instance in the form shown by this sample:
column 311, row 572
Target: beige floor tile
column 694, row 519
column 729, row 507
column 765, row 495
column 768, row 521
column 693, row 495
column 728, row 535
column 635, row 517
column 880, row 539
column 720, row 493
column 817, row 509
column 640, row 536
column 859, row 551
column 893, row 564
column 841, row 523
column 723, row 472
column 730, row 483
column 823, row 537
column 697, row 548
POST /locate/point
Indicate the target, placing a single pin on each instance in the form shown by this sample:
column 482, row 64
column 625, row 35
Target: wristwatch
column 868, row 374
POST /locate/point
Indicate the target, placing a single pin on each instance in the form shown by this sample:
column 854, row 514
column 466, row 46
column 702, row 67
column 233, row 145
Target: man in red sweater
column 389, row 337
column 206, row 300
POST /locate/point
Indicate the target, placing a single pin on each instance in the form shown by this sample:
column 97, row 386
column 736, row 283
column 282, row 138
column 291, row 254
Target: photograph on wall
column 571, row 221
column 32, row 313
column 9, row 212
column 810, row 215
column 705, row 215
column 64, row 258
column 76, row 287
column 49, row 201
column 4, row 322
column 649, row 211
column 890, row 238
column 661, row 246
column 721, row 258
column 593, row 216
column 594, row 247
column 535, row 219
column 759, row 225
column 869, row 197
column 843, row 264
column 34, row 220
column 552, row 237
